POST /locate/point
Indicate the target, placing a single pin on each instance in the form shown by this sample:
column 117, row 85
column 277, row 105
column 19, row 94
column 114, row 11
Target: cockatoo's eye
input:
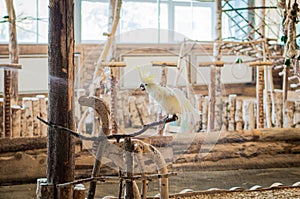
column 142, row 86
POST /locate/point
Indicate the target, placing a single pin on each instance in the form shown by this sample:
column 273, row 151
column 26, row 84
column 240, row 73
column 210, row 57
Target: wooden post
column 79, row 192
column 278, row 106
column 297, row 114
column 232, row 108
column 288, row 116
column 239, row 115
column 35, row 114
column 205, row 113
column 60, row 159
column 23, row 122
column 16, row 121
column 129, row 168
column 200, row 108
column 225, row 116
column 27, row 105
column 260, row 90
column 13, row 51
column 44, row 190
column 2, row 135
column 42, row 114
column 248, row 115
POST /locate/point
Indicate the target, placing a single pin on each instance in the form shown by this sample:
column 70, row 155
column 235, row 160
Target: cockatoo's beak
column 142, row 87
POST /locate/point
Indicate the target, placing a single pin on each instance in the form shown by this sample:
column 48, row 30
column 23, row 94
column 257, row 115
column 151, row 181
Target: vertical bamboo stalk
column 297, row 114
column 16, row 121
column 2, row 135
column 239, row 114
column 232, row 108
column 113, row 104
column 35, row 114
column 288, row 115
column 7, row 102
column 259, row 97
column 205, row 113
column 278, row 106
column 27, row 105
column 42, row 114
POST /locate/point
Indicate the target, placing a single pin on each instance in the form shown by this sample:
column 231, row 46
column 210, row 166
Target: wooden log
column 79, row 192
column 200, row 108
column 11, row 66
column 288, row 116
column 27, row 105
column 113, row 64
column 35, row 114
column 278, row 94
column 297, row 114
column 225, row 116
column 232, row 109
column 128, row 149
column 259, row 97
column 23, row 122
column 239, row 115
column 2, row 134
column 212, row 99
column 248, row 115
column 260, row 63
column 16, row 121
column 219, row 100
column 7, row 102
column 42, row 114
column 205, row 113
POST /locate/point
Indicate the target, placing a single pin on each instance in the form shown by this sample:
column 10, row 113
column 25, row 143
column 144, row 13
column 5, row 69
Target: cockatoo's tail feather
column 145, row 75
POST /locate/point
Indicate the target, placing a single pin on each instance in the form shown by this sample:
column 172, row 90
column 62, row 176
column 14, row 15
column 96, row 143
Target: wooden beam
column 214, row 63
column 11, row 66
column 113, row 64
column 164, row 64
column 260, row 63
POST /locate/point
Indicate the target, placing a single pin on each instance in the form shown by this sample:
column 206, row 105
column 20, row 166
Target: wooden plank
column 11, row 66
column 113, row 64
column 164, row 63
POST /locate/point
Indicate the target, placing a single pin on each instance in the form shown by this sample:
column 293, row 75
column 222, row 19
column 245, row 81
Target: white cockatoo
column 172, row 100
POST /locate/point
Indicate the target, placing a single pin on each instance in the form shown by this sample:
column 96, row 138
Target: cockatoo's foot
column 173, row 118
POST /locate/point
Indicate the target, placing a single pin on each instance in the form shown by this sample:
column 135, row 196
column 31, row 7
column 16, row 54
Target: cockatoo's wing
column 190, row 115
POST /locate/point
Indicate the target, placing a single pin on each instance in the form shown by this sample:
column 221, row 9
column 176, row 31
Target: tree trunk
column 60, row 160
column 13, row 50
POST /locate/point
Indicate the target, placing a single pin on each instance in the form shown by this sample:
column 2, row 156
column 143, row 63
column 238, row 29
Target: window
column 149, row 21
column 32, row 21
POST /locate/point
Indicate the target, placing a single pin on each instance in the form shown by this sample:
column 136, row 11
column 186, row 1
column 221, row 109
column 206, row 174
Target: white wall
column 33, row 77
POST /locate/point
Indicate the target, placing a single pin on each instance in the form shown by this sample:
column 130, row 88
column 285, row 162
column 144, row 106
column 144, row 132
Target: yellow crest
column 145, row 74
